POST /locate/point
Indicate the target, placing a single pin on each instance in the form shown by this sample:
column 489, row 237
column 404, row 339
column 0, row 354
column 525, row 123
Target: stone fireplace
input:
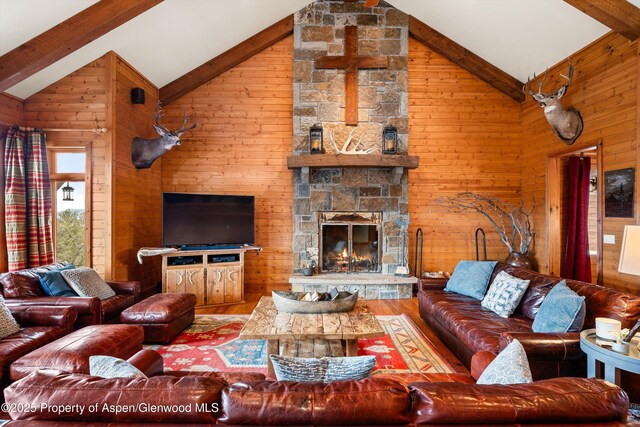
column 345, row 218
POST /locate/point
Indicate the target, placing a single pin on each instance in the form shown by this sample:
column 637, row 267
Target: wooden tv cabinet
column 215, row 276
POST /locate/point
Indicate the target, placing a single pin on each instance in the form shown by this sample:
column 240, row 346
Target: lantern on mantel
column 67, row 193
column 315, row 139
column 389, row 140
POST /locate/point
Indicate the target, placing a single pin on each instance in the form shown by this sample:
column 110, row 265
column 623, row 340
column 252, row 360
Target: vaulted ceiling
column 175, row 36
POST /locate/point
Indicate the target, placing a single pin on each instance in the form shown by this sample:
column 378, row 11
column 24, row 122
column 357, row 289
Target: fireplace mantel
column 399, row 162
column 353, row 161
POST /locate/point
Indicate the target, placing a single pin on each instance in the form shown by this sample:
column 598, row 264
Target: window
column 71, row 204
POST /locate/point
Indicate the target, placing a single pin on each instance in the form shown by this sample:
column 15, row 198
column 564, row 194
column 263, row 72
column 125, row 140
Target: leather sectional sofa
column 467, row 328
column 22, row 287
column 38, row 326
column 48, row 397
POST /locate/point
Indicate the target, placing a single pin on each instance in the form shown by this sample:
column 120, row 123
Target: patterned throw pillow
column 86, row 282
column 112, row 367
column 8, row 324
column 324, row 370
column 504, row 294
column 562, row 310
column 509, row 367
column 471, row 278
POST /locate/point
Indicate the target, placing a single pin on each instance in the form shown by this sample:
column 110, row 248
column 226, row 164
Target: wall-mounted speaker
column 137, row 95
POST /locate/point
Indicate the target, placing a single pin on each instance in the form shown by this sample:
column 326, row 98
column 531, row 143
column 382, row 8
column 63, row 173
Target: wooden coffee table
column 310, row 335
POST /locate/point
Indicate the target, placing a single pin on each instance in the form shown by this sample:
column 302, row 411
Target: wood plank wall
column 11, row 112
column 467, row 135
column 605, row 90
column 78, row 101
column 240, row 146
column 137, row 196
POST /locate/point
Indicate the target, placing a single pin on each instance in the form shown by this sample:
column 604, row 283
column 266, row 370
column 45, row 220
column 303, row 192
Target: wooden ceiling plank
column 67, row 37
column 227, row 60
column 621, row 16
column 466, row 59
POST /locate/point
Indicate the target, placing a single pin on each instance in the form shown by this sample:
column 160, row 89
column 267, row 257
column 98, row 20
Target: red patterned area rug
column 211, row 344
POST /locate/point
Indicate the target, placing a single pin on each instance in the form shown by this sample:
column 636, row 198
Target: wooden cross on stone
column 351, row 63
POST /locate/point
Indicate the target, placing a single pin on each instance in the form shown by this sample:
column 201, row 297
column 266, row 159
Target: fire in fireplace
column 350, row 241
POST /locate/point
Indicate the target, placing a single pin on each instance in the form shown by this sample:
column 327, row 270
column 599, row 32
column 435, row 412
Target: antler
column 345, row 148
column 570, row 75
column 157, row 115
column 528, row 84
column 183, row 129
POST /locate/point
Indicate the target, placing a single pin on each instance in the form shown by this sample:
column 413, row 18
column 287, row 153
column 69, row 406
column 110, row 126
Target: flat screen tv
column 207, row 220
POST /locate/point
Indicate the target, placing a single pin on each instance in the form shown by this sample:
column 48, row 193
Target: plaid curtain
column 27, row 198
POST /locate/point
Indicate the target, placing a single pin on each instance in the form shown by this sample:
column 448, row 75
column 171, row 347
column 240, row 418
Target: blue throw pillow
column 54, row 284
column 471, row 278
column 562, row 310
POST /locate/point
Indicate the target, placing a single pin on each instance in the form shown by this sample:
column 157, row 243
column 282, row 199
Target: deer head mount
column 566, row 123
column 145, row 151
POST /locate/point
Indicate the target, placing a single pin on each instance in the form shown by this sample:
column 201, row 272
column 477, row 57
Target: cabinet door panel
column 215, row 285
column 194, row 284
column 233, row 284
column 175, row 281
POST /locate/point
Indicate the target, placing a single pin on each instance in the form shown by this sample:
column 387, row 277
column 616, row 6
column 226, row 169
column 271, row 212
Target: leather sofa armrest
column 479, row 362
column 129, row 287
column 34, row 315
column 82, row 305
column 546, row 345
column 435, row 284
column 150, row 362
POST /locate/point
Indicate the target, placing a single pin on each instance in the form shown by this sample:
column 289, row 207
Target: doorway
column 558, row 191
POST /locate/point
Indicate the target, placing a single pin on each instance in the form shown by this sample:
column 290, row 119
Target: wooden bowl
column 288, row 302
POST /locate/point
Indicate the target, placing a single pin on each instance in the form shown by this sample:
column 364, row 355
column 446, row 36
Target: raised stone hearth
column 368, row 285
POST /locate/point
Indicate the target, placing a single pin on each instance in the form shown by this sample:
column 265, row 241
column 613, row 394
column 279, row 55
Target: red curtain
column 27, row 194
column 577, row 263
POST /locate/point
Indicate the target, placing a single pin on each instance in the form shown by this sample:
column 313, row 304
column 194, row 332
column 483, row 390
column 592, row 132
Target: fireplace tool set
column 403, row 266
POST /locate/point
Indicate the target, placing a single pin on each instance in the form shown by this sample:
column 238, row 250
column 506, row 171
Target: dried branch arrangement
column 513, row 224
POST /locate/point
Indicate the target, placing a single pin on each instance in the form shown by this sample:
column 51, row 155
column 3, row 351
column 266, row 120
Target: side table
column 612, row 360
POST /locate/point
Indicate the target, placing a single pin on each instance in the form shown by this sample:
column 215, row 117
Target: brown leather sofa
column 467, row 328
column 38, row 326
column 48, row 397
column 22, row 287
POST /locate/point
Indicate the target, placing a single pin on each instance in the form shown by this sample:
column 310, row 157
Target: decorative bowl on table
column 289, row 302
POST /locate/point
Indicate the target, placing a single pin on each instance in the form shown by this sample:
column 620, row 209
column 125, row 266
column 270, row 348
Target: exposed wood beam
column 466, row 59
column 620, row 15
column 67, row 37
column 227, row 60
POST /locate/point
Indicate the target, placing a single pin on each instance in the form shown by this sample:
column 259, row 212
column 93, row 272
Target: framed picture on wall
column 618, row 193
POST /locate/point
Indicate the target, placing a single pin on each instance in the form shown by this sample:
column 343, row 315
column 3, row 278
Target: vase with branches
column 512, row 223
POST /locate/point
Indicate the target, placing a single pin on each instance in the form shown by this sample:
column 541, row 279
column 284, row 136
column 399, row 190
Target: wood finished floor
column 379, row 307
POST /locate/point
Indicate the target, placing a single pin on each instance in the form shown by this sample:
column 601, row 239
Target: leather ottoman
column 71, row 353
column 163, row 316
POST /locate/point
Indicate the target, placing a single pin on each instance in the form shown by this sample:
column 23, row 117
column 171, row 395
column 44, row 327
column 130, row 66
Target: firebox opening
column 350, row 241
